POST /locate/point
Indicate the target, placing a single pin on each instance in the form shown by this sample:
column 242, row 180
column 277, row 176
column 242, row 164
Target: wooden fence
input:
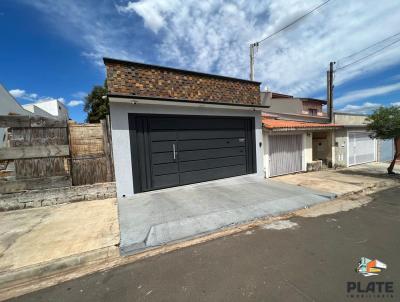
column 45, row 153
column 91, row 156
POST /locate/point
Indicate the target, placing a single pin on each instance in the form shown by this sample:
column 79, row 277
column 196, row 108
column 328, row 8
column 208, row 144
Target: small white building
column 50, row 108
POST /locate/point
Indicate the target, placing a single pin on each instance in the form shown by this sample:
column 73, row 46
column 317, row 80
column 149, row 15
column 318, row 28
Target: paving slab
column 344, row 181
column 42, row 235
column 163, row 216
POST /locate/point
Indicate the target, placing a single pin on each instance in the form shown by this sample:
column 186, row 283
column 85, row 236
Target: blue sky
column 53, row 49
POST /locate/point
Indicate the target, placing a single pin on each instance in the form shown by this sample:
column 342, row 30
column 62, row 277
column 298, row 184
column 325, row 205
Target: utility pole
column 253, row 46
column 329, row 91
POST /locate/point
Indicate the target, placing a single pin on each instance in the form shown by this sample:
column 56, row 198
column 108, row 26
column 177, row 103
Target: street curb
column 45, row 269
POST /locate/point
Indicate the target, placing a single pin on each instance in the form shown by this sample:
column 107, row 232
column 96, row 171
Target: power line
column 254, row 46
column 369, row 47
column 295, row 21
column 367, row 56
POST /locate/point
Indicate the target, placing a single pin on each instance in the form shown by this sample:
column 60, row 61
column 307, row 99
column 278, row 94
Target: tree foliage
column 385, row 122
column 96, row 104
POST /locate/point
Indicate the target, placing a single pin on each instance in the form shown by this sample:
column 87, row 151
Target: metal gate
column 285, row 154
column 386, row 150
column 362, row 148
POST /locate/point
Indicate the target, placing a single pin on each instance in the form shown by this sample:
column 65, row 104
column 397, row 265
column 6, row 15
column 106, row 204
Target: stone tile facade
column 129, row 78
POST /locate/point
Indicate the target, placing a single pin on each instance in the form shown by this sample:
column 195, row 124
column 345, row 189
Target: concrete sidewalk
column 159, row 217
column 345, row 181
column 35, row 241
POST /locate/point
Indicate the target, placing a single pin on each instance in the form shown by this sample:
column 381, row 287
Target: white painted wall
column 54, row 108
column 121, row 140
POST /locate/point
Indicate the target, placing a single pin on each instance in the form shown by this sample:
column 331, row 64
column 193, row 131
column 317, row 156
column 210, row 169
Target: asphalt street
column 312, row 259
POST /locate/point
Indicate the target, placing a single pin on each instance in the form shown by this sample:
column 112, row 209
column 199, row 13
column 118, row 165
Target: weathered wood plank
column 7, row 121
column 88, row 171
column 11, row 186
column 41, row 167
column 19, row 121
column 34, row 152
column 38, row 136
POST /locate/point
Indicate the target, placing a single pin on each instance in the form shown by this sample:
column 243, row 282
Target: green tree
column 96, row 104
column 385, row 123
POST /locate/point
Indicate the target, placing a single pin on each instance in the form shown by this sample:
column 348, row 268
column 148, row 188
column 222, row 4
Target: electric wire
column 292, row 23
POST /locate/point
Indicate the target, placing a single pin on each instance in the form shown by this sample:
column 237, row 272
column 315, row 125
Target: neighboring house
column 173, row 127
column 51, row 108
column 289, row 107
column 297, row 134
column 8, row 106
column 354, row 145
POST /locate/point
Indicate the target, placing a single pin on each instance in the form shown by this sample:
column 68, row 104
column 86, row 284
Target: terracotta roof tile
column 289, row 124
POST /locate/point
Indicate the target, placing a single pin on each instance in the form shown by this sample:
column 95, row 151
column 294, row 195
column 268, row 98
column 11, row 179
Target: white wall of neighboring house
column 54, row 108
column 8, row 106
column 37, row 111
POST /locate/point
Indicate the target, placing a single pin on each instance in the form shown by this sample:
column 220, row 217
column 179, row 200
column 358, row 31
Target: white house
column 172, row 127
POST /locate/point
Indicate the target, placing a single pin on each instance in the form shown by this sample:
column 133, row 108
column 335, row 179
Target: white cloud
column 365, row 108
column 395, row 104
column 17, row 93
column 150, row 11
column 358, row 95
column 79, row 94
column 22, row 94
column 33, row 97
column 74, row 103
column 214, row 36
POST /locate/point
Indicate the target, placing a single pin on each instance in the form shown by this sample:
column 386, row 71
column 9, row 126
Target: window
column 313, row 112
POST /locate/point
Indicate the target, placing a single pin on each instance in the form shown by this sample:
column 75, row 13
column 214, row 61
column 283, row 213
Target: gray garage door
column 361, row 148
column 170, row 151
column 285, row 154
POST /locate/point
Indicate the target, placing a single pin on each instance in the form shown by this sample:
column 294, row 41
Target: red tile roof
column 288, row 124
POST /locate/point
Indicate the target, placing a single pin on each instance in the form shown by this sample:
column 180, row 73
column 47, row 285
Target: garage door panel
column 210, row 144
column 165, row 146
column 210, row 134
column 213, row 153
column 212, row 163
column 162, row 158
column 209, row 123
column 210, row 174
column 285, row 153
column 165, row 181
column 162, row 169
column 362, row 148
column 206, row 148
column 163, row 135
column 162, row 123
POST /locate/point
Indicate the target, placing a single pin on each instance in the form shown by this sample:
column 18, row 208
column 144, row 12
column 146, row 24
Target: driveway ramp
column 159, row 217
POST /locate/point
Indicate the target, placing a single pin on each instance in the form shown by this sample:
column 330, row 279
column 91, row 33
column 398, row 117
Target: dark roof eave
column 112, row 60
column 132, row 96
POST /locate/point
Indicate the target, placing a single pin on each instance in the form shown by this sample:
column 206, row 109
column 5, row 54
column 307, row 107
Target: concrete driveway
column 159, row 217
column 346, row 180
